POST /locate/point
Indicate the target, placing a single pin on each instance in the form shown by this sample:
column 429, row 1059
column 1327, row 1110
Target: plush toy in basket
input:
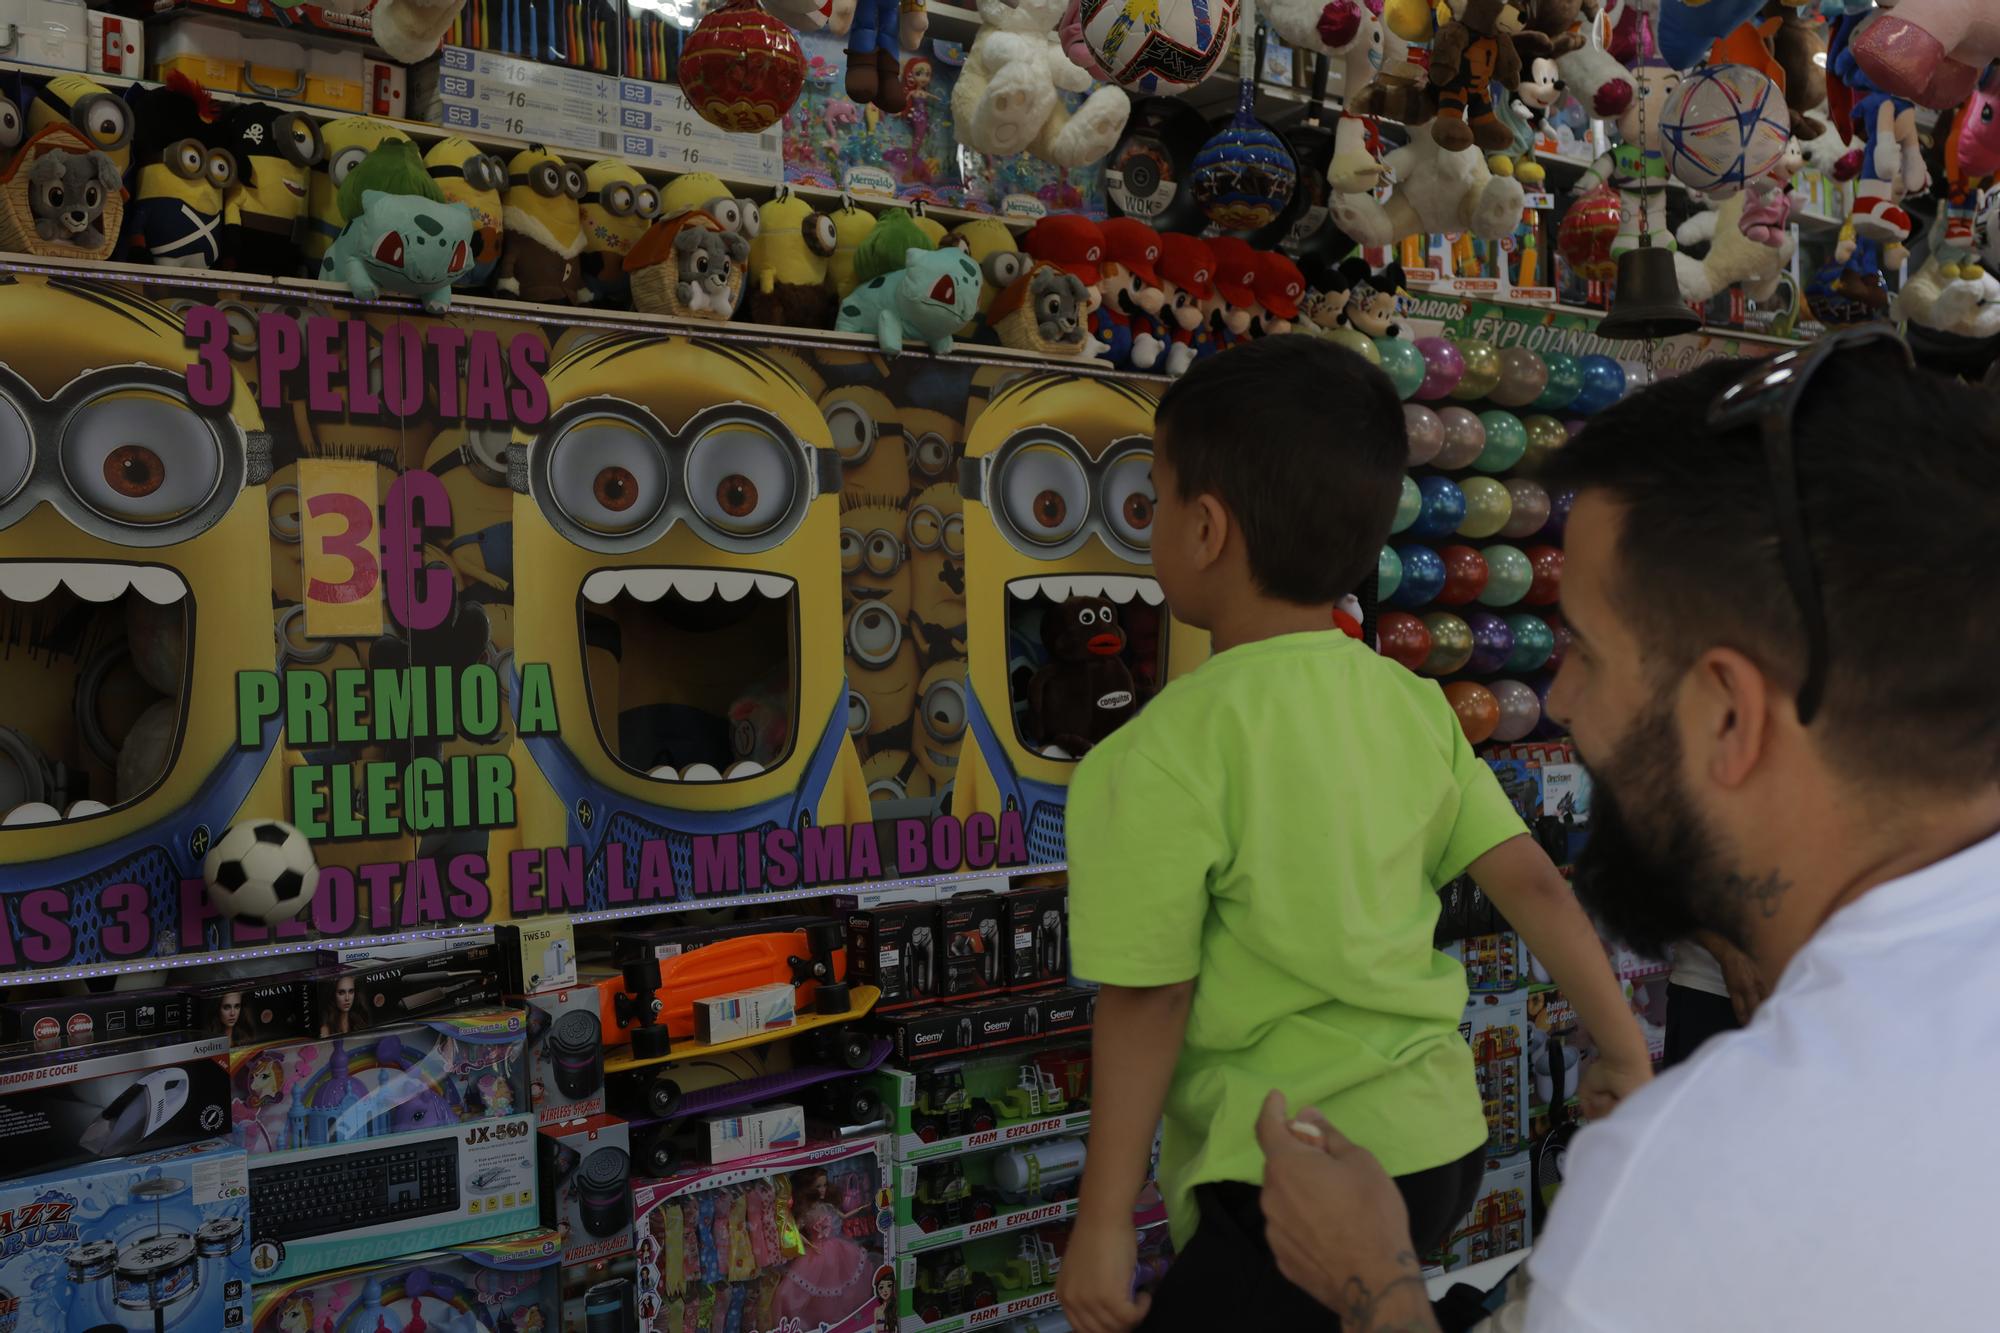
column 401, row 235
column 1044, row 310
column 61, row 198
column 690, row 266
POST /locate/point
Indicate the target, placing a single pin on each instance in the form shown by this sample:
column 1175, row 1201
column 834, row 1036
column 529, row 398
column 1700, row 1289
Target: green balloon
column 1388, row 573
column 1534, row 641
column 1506, row 441
column 1482, row 370
column 1508, row 574
column 1488, row 506
column 1357, row 342
column 1408, row 505
column 1565, row 382
column 1404, row 365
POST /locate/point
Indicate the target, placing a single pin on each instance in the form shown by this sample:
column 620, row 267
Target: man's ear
column 1211, row 530
column 1734, row 707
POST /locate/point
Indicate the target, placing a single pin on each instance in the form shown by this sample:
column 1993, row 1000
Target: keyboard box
column 316, row 1209
column 157, row 1241
column 406, row 1078
column 145, row 1097
column 510, row 1283
column 586, row 1173
column 566, row 1054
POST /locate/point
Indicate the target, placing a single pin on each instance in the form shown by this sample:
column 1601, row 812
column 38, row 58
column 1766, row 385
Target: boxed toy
column 82, row 1020
column 130, row 1097
column 1007, row 1097
column 391, row 991
column 512, row 1283
column 601, row 1296
column 730, row 1138
column 341, row 1203
column 1496, row 1026
column 413, row 1076
column 278, row 1008
column 955, row 1199
column 893, row 947
column 586, row 1174
column 537, row 957
column 1035, row 936
column 969, row 926
column 155, row 1243
column 793, row 1242
column 565, row 1054
column 745, row 1013
column 1499, row 1223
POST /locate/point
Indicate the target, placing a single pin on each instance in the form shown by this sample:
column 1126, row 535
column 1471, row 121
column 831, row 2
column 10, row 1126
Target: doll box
column 154, row 1099
column 512, row 1283
column 157, row 1242
column 793, row 1241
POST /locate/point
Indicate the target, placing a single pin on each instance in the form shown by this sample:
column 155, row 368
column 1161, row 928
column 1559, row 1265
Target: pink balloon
column 1574, row 426
column 1443, row 367
column 1531, row 509
column 1520, row 709
column 1464, row 438
column 1426, row 433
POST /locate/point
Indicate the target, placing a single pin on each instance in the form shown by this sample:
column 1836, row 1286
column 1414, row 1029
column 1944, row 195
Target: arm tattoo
column 1401, row 1305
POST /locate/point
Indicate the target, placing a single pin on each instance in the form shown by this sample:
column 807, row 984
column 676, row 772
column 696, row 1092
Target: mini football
column 261, row 872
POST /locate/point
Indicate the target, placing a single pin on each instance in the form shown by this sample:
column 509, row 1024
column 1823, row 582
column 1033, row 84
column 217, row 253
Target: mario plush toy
column 1132, row 295
column 1280, row 288
column 1235, row 301
column 1187, row 282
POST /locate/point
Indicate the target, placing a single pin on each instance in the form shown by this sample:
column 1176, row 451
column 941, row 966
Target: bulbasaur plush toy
column 401, row 236
column 909, row 288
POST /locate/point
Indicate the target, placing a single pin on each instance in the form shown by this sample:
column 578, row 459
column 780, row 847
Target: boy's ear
column 1211, row 530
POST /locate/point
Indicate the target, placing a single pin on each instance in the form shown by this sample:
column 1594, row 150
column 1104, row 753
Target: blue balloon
column 1603, row 385
column 1423, row 576
column 1443, row 511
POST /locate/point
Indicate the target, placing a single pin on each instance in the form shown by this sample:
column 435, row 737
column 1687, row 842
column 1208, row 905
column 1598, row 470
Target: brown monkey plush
column 1472, row 52
column 1085, row 692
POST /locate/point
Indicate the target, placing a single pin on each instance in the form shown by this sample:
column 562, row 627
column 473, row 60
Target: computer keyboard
column 295, row 1200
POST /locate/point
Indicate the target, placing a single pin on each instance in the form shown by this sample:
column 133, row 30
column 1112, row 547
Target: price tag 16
column 338, row 503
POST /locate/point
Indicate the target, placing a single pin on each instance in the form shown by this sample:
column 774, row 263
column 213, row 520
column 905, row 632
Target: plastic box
column 511, row 1283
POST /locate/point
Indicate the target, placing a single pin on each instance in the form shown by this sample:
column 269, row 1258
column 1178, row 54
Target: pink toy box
column 498, row 1286
column 792, row 1241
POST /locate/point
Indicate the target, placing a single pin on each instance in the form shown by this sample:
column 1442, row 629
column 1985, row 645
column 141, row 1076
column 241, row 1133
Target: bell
column 1648, row 303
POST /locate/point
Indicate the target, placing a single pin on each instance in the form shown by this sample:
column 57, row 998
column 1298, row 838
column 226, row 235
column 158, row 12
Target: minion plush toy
column 183, row 172
column 851, row 226
column 788, row 265
column 104, row 118
column 618, row 206
column 265, row 209
column 543, row 213
column 472, row 177
column 993, row 247
column 348, row 140
column 704, row 192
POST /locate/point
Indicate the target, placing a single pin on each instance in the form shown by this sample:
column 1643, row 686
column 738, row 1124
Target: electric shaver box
column 586, row 1179
column 893, row 947
column 437, row 983
column 565, row 1054
column 1035, row 937
column 355, row 1201
column 119, row 1099
column 969, row 927
column 83, row 1020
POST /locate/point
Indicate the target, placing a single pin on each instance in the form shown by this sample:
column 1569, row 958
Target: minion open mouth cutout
column 93, row 668
column 1059, row 622
column 667, row 652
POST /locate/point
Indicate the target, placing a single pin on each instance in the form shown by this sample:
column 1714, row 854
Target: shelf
column 997, row 1313
column 1485, row 1275
column 913, row 1239
column 1076, row 1122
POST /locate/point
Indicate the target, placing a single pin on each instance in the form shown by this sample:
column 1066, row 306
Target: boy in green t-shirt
column 1255, row 858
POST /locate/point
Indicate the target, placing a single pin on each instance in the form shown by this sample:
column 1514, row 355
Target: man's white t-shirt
column 1833, row 1166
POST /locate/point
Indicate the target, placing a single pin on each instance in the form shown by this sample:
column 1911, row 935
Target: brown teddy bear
column 1470, row 54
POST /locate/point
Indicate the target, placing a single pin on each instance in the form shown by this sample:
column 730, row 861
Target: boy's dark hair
column 1899, row 474
column 1304, row 442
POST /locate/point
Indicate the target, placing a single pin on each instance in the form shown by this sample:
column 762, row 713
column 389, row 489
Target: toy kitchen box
column 157, row 1243
column 110, row 1100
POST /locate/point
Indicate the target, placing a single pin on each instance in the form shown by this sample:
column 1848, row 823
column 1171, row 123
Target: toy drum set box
column 346, row 621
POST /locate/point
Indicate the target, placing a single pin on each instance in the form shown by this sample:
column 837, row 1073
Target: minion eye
column 933, row 455
column 874, row 634
column 221, row 166
column 344, row 161
column 954, row 535
column 140, row 457
column 1129, row 500
column 186, row 159
column 17, row 450
column 105, row 119
column 884, row 554
column 646, row 203
column 10, row 125
column 926, row 527
column 1002, row 267
column 242, row 329
column 857, row 713
column 283, row 507
column 572, row 182
column 943, row 711
column 741, row 478
column 850, row 551
column 853, row 433
column 752, row 218
column 618, row 200
column 888, row 789
column 608, row 476
column 820, row 237
column 298, row 140
column 547, row 180
column 727, row 212
column 1044, row 495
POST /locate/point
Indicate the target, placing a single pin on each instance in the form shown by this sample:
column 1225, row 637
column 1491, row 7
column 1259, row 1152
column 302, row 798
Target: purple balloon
column 1559, row 505
column 1574, row 426
column 1492, row 642
column 1444, row 367
column 1520, row 710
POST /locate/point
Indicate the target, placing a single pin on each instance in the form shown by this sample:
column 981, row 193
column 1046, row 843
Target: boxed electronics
column 745, row 1013
column 1035, row 936
column 390, row 951
column 832, row 1278
column 736, row 1135
column 260, row 1009
column 601, row 1296
column 537, row 957
column 513, row 1283
column 586, row 1174
column 372, row 994
column 565, row 1054
column 453, row 1070
column 117, row 46
column 893, row 947
column 933, row 1030
column 158, row 1242
column 82, row 1020
column 122, row 1098
column 969, row 928
column 337, row 1204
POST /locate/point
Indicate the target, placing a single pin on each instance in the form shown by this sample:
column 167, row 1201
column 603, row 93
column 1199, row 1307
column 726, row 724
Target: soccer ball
column 261, row 872
column 1158, row 46
column 1725, row 126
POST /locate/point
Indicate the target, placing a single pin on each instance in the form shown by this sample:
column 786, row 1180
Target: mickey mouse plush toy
column 1371, row 298
column 1086, row 691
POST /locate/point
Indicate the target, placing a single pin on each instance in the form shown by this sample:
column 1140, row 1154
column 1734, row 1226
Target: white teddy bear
column 1436, row 191
column 1969, row 308
column 1008, row 100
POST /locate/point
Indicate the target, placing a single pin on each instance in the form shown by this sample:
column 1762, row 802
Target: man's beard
column 1653, row 883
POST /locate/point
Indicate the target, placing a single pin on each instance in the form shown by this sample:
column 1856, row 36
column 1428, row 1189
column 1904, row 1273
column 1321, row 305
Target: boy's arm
column 1528, row 889
column 1135, row 1043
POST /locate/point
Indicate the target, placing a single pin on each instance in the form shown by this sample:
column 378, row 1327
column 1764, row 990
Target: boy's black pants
column 1227, row 1278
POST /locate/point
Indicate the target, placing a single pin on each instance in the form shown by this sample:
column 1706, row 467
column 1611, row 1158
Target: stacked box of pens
column 602, row 36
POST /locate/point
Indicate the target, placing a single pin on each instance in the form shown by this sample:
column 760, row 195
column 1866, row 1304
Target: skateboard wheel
column 864, row 1106
column 833, row 998
column 650, row 1042
column 852, row 1049
column 663, row 1098
column 657, row 1156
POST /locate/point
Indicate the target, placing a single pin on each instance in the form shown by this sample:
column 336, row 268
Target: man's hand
column 1610, row 1081
column 1337, row 1225
column 1098, row 1269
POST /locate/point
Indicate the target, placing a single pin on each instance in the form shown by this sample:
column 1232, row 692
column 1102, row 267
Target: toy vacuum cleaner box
column 586, row 1174
column 143, row 1098
column 566, row 1054
column 513, row 1283
column 793, row 1242
column 157, row 1243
